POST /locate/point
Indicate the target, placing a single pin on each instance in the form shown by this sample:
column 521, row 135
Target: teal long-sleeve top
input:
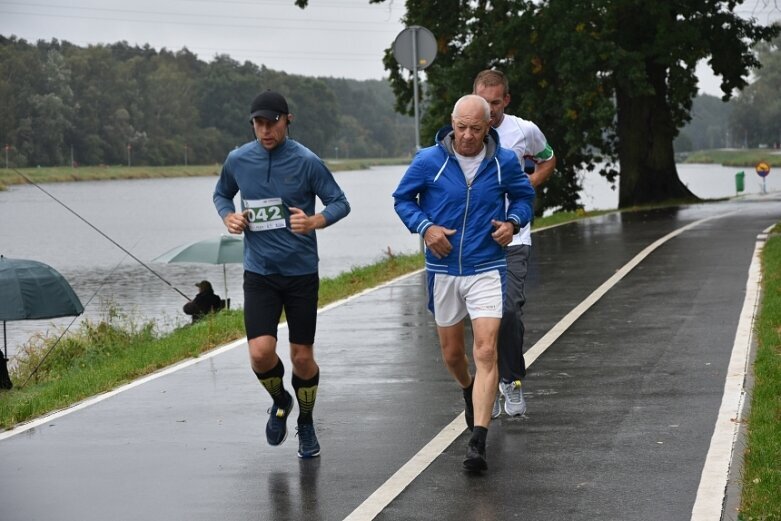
column 270, row 182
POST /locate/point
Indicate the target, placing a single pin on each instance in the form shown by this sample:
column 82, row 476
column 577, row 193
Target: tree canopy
column 111, row 104
column 610, row 82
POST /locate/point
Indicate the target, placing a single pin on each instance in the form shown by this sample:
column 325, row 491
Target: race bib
column 265, row 214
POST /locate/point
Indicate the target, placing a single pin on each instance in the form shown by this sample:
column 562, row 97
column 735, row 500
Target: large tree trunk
column 645, row 145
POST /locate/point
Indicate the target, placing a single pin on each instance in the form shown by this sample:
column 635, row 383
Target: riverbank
column 737, row 157
column 747, row 158
column 63, row 174
column 52, row 373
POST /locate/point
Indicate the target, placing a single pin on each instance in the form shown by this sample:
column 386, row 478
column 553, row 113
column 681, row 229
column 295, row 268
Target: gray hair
column 472, row 98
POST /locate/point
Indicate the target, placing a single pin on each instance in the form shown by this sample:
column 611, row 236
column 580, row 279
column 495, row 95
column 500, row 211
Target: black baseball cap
column 268, row 105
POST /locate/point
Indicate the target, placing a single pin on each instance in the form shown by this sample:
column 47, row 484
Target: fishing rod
column 115, row 243
column 56, row 342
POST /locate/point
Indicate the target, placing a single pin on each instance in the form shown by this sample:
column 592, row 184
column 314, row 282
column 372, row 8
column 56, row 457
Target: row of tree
column 114, row 104
column 610, row 82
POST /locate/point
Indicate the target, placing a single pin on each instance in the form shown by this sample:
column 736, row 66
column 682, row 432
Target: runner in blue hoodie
column 453, row 195
column 279, row 179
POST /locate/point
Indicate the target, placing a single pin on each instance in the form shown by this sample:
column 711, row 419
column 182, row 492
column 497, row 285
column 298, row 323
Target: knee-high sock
column 272, row 381
column 306, row 392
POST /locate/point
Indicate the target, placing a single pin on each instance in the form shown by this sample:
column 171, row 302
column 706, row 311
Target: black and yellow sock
column 272, row 381
column 306, row 393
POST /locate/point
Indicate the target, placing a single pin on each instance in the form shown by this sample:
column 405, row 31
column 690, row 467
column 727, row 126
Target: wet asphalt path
column 621, row 410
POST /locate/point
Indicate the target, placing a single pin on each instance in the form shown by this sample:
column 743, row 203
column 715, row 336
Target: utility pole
column 129, row 148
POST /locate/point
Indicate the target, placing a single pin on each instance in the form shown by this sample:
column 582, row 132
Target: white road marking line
column 395, row 484
column 709, row 502
column 557, row 330
column 375, row 503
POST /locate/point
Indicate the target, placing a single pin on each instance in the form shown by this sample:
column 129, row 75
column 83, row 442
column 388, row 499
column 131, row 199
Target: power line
column 145, row 13
column 206, row 24
column 389, row 5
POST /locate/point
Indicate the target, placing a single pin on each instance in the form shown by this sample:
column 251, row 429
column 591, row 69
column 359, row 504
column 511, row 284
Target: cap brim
column 270, row 115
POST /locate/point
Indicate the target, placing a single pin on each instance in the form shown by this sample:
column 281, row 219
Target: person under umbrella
column 205, row 302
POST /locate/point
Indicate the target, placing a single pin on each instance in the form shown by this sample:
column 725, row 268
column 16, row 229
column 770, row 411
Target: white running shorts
column 477, row 295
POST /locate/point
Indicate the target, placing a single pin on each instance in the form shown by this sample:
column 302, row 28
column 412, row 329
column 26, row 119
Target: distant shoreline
column 64, row 174
column 735, row 157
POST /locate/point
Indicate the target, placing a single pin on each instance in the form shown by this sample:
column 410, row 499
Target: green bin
column 739, row 181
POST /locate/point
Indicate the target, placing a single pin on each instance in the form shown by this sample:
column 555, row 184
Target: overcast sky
column 339, row 38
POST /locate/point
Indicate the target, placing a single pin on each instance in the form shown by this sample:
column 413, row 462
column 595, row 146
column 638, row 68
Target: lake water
column 150, row 217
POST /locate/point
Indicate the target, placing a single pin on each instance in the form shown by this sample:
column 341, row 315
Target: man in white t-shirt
column 530, row 146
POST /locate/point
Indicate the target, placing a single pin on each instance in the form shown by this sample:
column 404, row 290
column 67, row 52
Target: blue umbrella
column 32, row 290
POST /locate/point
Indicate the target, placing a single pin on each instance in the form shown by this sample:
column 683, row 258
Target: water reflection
column 289, row 500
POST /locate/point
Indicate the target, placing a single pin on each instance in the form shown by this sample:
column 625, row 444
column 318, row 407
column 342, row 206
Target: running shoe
column 276, row 428
column 497, row 410
column 514, row 404
column 475, row 458
column 308, row 446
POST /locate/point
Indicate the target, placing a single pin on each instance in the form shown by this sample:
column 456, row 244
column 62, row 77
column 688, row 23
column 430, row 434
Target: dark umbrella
column 32, row 290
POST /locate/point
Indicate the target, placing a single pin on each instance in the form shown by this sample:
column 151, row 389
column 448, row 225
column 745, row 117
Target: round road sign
column 763, row 168
column 425, row 46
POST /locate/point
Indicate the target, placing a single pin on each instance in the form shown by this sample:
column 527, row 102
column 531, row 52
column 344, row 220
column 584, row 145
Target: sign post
column 763, row 170
column 415, row 48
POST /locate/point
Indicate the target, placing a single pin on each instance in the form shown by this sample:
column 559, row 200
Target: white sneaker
column 497, row 410
column 514, row 404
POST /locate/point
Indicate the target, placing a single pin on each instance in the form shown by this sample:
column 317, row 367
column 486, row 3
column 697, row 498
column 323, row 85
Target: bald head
column 471, row 116
column 473, row 106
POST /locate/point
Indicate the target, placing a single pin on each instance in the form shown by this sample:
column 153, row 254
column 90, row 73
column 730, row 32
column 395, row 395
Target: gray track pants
column 512, row 366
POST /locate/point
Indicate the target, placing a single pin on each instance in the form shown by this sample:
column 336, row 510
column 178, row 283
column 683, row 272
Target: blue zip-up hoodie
column 293, row 173
column 434, row 191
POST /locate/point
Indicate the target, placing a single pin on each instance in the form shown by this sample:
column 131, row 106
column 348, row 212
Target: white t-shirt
column 527, row 141
column 469, row 165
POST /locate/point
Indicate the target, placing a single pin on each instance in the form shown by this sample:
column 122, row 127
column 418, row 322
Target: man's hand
column 300, row 222
column 436, row 239
column 542, row 171
column 235, row 222
column 503, row 232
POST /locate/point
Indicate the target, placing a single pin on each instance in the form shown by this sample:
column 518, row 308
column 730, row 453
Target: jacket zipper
column 268, row 172
column 463, row 230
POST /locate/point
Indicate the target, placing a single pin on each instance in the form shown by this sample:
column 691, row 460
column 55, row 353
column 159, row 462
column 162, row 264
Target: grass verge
column 761, row 497
column 103, row 355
